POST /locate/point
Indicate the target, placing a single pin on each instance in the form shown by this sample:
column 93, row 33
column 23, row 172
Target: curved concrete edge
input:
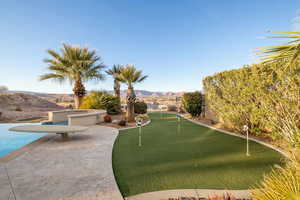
column 192, row 193
column 236, row 135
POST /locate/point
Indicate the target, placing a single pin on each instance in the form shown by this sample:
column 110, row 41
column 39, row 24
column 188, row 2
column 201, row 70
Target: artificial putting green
column 186, row 157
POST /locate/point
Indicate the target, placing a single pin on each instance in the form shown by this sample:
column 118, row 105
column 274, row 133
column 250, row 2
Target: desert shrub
column 102, row 100
column 172, row 108
column 281, row 183
column 192, row 103
column 140, row 107
column 122, row 122
column 18, row 108
column 263, row 96
column 107, row 119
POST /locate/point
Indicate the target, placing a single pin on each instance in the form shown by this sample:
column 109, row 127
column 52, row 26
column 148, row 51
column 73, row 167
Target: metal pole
column 248, row 143
column 140, row 136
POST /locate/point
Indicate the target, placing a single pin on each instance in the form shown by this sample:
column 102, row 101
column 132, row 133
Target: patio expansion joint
column 10, row 184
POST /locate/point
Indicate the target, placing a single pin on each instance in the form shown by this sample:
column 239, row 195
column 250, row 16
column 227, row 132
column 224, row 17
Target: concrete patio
column 77, row 169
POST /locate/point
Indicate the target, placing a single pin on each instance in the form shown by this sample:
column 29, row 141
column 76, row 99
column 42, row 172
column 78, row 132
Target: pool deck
column 77, row 169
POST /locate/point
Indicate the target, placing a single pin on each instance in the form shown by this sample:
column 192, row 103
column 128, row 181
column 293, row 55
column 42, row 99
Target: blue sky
column 176, row 42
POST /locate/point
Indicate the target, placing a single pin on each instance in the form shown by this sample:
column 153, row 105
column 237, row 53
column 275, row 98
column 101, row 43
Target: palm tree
column 75, row 64
column 130, row 75
column 289, row 51
column 114, row 72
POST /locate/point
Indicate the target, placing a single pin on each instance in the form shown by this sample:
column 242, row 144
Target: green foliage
column 75, row 64
column 130, row 75
column 102, row 100
column 263, row 96
column 289, row 52
column 192, row 103
column 140, row 107
column 283, row 183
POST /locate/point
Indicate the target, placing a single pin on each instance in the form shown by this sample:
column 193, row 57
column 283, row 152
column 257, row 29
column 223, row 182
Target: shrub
column 263, row 96
column 172, row 108
column 102, row 100
column 122, row 122
column 140, row 107
column 18, row 108
column 281, row 183
column 192, row 103
column 107, row 119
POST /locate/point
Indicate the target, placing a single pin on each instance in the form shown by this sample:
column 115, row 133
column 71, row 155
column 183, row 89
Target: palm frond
column 289, row 51
column 74, row 63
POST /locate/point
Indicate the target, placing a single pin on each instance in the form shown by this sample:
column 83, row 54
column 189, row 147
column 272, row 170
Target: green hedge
column 192, row 103
column 140, row 107
column 263, row 96
column 102, row 100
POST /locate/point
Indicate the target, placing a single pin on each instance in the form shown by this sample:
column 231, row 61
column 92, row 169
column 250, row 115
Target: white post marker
column 178, row 124
column 139, row 125
column 246, row 129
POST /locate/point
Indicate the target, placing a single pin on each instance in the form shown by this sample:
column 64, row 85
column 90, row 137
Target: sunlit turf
column 186, row 157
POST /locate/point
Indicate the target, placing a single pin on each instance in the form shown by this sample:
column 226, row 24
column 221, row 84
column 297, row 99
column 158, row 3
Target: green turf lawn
column 195, row 157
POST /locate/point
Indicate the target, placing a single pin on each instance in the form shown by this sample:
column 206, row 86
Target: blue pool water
column 10, row 141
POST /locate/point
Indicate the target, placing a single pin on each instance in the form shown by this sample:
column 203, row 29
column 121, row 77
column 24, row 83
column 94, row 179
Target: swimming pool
column 11, row 141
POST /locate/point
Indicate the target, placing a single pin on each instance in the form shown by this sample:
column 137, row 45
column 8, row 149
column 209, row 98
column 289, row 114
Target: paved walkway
column 192, row 193
column 78, row 169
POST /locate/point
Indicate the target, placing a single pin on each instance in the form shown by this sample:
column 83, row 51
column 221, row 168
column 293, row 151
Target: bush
column 281, row 183
column 172, row 108
column 140, row 107
column 192, row 103
column 263, row 96
column 107, row 119
column 18, row 108
column 122, row 122
column 102, row 100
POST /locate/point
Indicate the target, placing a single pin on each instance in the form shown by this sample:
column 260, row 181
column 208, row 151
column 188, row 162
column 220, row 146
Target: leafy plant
column 115, row 72
column 130, row 75
column 283, row 183
column 289, row 51
column 140, row 107
column 122, row 122
column 107, row 119
column 192, row 103
column 102, row 100
column 75, row 64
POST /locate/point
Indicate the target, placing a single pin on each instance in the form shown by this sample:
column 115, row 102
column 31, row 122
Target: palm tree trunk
column 130, row 104
column 79, row 92
column 117, row 88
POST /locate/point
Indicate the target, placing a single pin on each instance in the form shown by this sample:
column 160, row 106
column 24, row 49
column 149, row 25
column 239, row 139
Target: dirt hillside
column 18, row 107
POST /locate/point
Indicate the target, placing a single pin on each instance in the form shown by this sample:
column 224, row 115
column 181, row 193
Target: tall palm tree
column 114, row 72
column 75, row 64
column 130, row 75
column 289, row 51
